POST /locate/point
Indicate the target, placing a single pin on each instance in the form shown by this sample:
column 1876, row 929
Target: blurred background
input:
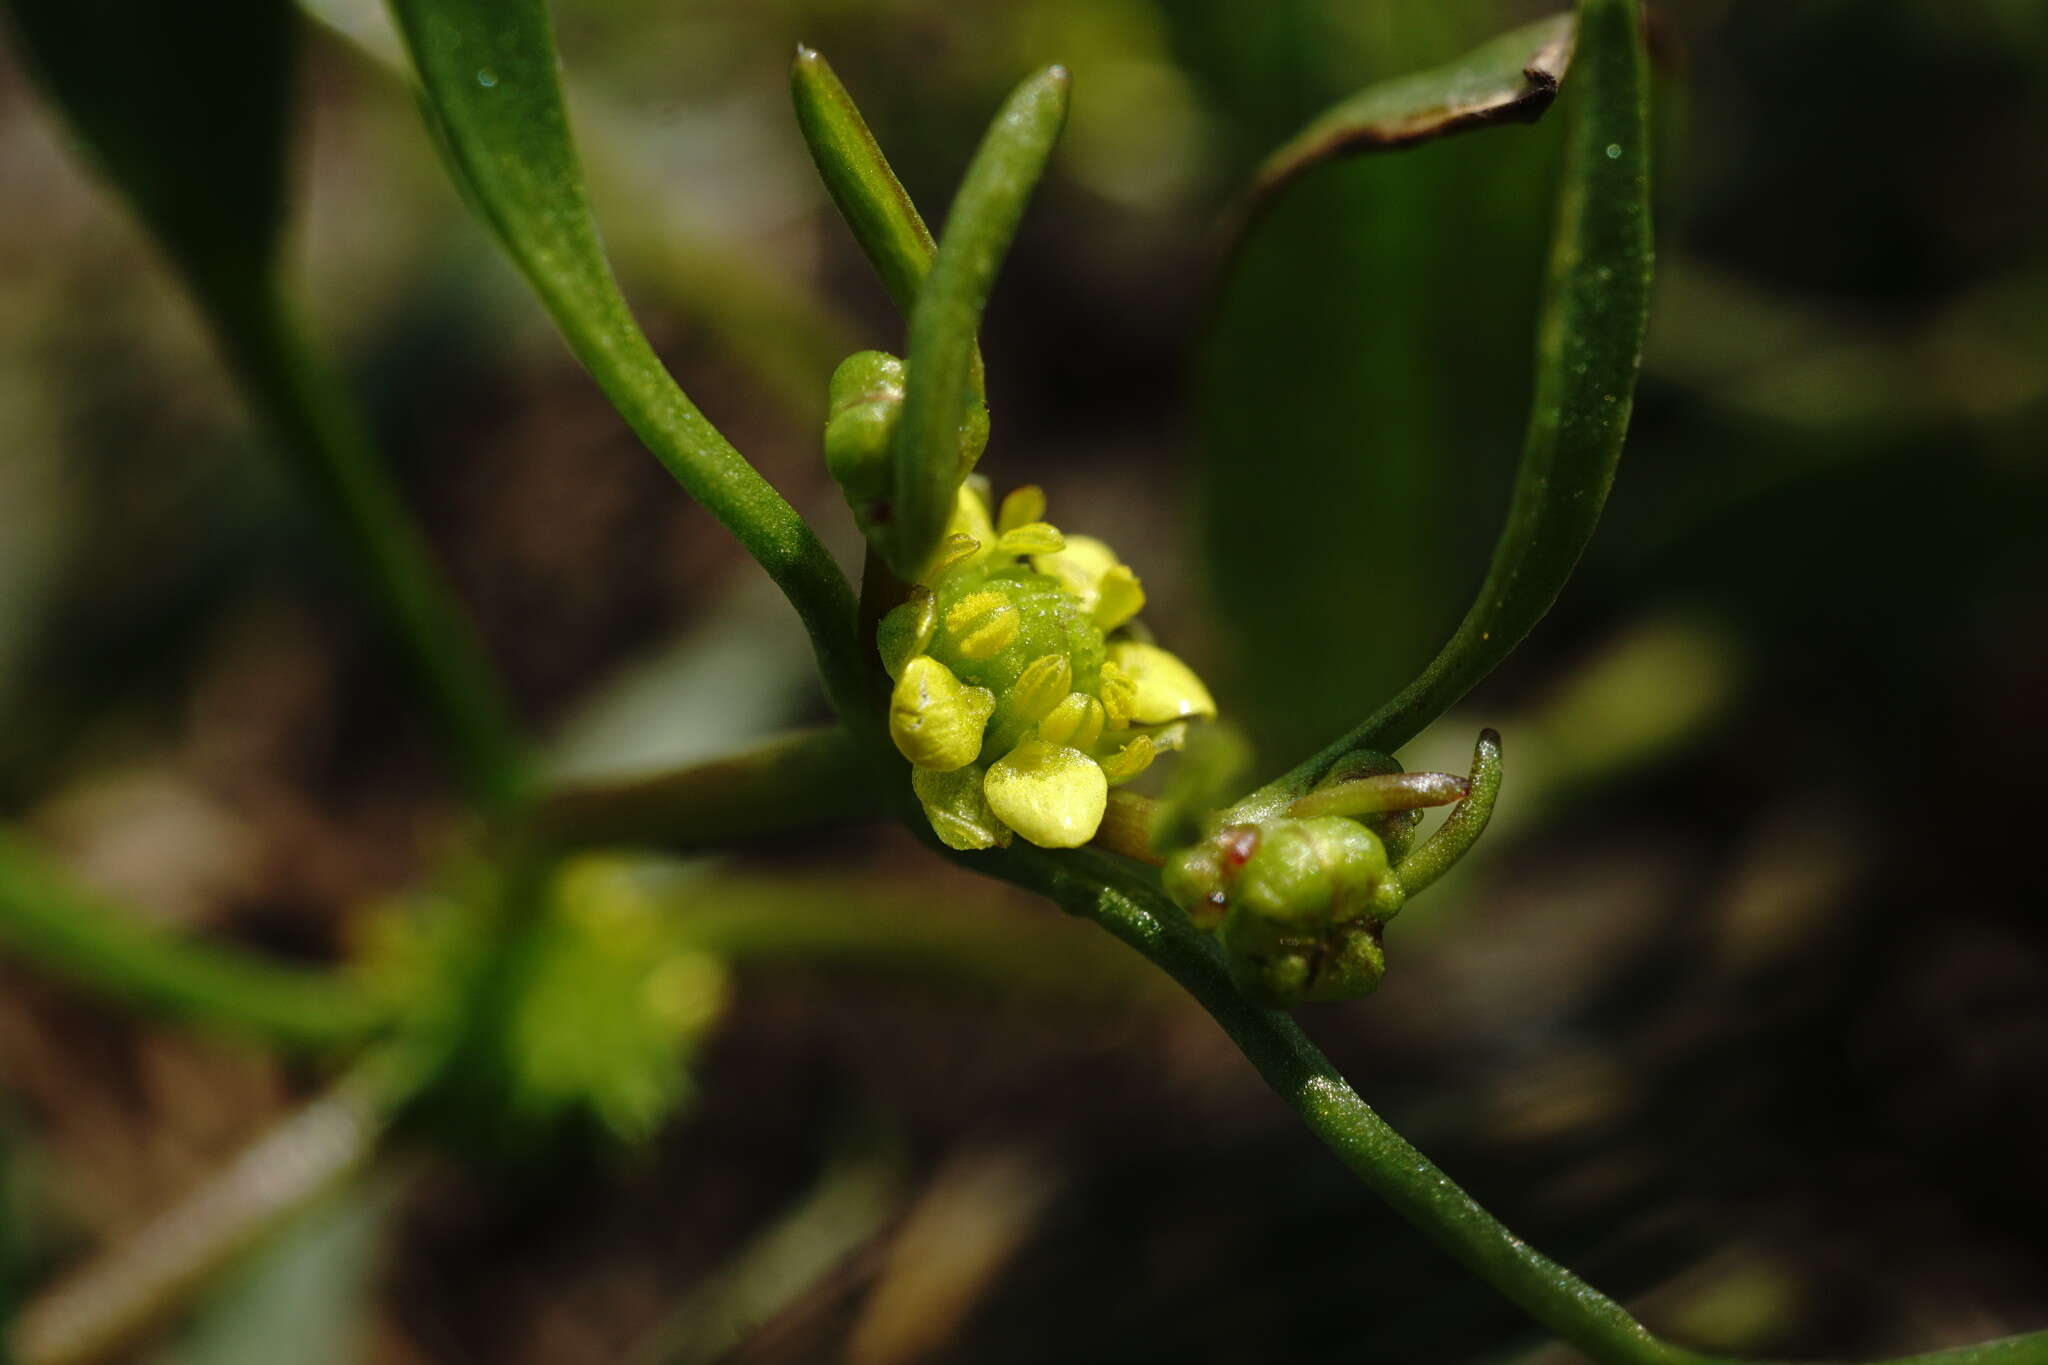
column 1741, row 1010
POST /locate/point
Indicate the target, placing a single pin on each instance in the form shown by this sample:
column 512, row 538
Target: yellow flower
column 1018, row 699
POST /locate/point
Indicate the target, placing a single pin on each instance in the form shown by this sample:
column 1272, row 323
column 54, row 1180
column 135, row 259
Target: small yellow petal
column 1032, row 538
column 1052, row 795
column 970, row 512
column 959, row 813
column 1170, row 738
column 983, row 624
column 1164, row 688
column 1120, row 598
column 967, row 533
column 1076, row 722
column 958, row 548
column 1119, row 694
column 1080, row 567
column 1022, row 506
column 906, row 631
column 976, row 497
column 1042, row 685
column 935, row 719
column 1127, row 762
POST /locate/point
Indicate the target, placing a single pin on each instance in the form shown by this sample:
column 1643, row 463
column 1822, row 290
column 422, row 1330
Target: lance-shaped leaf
column 188, row 120
column 1511, row 79
column 876, row 207
column 1589, row 345
column 488, row 72
column 938, row 394
column 858, row 177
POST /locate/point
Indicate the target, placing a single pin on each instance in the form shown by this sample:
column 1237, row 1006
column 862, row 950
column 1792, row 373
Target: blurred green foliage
column 1696, row 995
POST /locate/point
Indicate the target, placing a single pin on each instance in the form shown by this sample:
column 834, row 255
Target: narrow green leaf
column 66, row 929
column 1511, row 79
column 938, row 394
column 857, row 176
column 1589, row 345
column 488, row 69
column 188, row 120
column 875, row 205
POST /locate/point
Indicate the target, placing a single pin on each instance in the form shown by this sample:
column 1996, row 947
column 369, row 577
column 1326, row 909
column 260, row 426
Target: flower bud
column 865, row 401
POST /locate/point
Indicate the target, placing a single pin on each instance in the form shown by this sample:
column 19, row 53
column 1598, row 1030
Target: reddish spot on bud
column 1238, row 843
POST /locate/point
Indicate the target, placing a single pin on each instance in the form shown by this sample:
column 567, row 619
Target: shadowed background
column 1742, row 1009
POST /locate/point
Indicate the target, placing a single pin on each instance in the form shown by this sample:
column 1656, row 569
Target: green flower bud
column 865, row 400
column 1312, row 872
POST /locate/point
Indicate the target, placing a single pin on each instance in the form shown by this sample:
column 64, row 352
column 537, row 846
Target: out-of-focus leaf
column 66, row 929
column 115, row 1299
column 848, row 1207
column 185, row 112
column 1589, row 347
column 1365, row 377
column 1511, row 79
column 304, row 1297
column 489, row 73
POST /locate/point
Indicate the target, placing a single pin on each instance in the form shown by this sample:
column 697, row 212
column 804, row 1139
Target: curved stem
column 69, row 930
column 489, row 72
column 1129, row 905
column 1589, row 345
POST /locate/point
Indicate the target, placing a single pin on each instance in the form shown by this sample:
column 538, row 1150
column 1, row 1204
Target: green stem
column 67, row 929
column 801, row 781
column 1129, row 905
column 938, row 394
column 1589, row 345
column 490, row 76
column 319, row 425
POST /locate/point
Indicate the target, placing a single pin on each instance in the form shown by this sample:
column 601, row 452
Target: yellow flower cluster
column 1021, row 693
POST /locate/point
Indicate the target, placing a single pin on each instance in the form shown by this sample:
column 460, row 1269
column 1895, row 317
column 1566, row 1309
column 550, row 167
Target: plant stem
column 67, row 929
column 801, row 781
column 1127, row 903
column 1121, row 901
column 491, row 82
column 1589, row 345
column 319, row 426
